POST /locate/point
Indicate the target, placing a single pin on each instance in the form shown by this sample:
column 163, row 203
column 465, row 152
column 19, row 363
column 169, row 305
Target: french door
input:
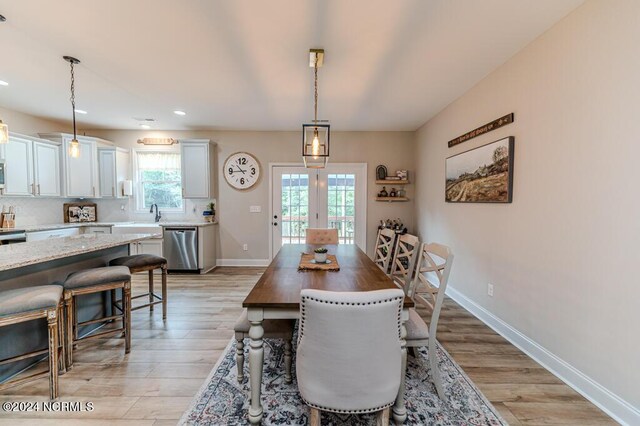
column 333, row 197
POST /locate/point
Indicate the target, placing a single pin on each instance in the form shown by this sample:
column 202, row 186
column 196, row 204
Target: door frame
column 363, row 171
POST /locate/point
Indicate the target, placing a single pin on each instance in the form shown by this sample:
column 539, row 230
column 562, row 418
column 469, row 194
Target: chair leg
column 435, row 371
column 314, row 417
column 383, row 417
column 52, row 323
column 164, row 292
column 151, row 289
column 126, row 305
column 240, row 357
column 62, row 358
column 287, row 360
column 68, row 341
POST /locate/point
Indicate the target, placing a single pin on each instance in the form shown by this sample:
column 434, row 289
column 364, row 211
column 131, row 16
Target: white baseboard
column 619, row 409
column 243, row 262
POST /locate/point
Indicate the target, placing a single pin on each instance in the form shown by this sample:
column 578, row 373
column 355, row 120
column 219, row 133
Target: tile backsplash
column 40, row 211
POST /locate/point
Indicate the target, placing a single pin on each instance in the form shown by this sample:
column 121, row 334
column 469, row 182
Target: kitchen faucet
column 158, row 215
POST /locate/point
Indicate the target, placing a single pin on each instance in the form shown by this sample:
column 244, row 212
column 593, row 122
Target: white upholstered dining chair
column 273, row 329
column 348, row 358
column 321, row 236
column 428, row 288
column 384, row 247
column 404, row 261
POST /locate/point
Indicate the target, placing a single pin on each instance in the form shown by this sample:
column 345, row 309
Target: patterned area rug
column 224, row 401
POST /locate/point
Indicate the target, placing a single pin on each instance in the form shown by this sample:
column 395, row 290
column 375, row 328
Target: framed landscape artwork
column 481, row 175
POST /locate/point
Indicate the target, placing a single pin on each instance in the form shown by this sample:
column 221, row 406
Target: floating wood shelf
column 392, row 199
column 392, row 182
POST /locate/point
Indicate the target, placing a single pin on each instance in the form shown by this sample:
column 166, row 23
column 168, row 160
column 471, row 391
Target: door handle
column 275, row 216
column 275, row 223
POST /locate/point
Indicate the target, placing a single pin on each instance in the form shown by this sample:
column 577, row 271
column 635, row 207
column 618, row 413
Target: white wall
column 564, row 255
column 237, row 225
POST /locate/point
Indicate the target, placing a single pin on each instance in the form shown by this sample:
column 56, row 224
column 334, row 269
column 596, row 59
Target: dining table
column 276, row 295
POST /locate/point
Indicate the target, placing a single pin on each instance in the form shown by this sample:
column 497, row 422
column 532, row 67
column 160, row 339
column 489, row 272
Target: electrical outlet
column 245, row 247
column 490, row 289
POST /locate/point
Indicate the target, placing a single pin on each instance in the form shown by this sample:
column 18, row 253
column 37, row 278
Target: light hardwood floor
column 169, row 361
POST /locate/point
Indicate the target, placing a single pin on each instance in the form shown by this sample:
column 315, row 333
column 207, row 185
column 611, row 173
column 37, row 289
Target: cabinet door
column 46, row 166
column 107, row 166
column 195, row 170
column 79, row 173
column 150, row 247
column 123, row 171
column 18, row 167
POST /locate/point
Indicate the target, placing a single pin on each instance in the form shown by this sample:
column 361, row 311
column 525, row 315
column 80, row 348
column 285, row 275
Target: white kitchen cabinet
column 81, row 172
column 32, row 167
column 94, row 230
column 46, row 169
column 18, row 155
column 198, row 168
column 79, row 175
column 114, row 168
column 152, row 246
column 54, row 233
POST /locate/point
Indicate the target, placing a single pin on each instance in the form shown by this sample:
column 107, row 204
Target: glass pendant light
column 74, row 145
column 315, row 136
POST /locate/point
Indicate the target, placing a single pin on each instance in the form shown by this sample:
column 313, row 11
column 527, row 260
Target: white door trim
column 364, row 202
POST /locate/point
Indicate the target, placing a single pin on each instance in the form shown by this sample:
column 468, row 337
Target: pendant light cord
column 73, row 99
column 315, row 93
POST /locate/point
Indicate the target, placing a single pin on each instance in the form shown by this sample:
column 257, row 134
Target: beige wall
column 26, row 124
column 564, row 255
column 238, row 226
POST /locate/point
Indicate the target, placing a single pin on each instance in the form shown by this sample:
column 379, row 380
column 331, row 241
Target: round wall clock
column 241, row 170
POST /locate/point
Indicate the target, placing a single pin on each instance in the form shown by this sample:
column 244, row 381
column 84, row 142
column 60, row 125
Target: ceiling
column 243, row 64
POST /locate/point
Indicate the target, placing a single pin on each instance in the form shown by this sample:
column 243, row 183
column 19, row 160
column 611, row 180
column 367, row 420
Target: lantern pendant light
column 315, row 136
column 74, row 145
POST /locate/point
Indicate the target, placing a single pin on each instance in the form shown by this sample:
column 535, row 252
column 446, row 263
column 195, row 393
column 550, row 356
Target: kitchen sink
column 137, row 228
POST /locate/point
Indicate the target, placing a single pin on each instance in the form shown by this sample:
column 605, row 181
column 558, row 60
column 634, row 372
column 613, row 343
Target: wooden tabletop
column 280, row 285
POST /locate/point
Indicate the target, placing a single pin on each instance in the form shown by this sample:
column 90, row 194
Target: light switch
column 255, row 209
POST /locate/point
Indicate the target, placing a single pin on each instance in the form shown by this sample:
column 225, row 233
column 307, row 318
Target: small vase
column 320, row 257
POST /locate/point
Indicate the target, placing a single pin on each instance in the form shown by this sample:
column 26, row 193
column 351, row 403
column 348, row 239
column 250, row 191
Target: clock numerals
column 242, row 170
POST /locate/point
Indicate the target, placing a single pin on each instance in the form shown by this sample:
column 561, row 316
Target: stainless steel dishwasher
column 181, row 248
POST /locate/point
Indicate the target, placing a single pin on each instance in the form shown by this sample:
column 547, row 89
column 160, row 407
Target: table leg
column 399, row 409
column 256, row 360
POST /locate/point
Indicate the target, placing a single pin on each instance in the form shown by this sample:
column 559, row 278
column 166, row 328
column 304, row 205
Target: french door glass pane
column 295, row 208
column 342, row 205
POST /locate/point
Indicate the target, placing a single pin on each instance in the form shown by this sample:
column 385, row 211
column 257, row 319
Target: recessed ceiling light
column 178, row 112
column 145, row 126
column 81, row 111
column 3, row 83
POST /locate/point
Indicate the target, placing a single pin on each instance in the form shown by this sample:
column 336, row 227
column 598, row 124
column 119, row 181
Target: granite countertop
column 24, row 254
column 53, row 226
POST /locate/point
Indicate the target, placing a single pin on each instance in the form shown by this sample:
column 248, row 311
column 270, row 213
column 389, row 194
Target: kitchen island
column 50, row 262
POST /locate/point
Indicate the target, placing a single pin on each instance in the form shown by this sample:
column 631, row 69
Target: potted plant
column 320, row 255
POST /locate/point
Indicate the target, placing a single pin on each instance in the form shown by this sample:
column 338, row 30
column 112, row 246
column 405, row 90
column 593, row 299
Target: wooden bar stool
column 147, row 262
column 96, row 280
column 28, row 304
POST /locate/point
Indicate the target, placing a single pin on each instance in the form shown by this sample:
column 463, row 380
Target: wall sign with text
column 495, row 124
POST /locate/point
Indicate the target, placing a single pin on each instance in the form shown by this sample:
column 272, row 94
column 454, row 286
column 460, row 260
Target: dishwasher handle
column 180, row 229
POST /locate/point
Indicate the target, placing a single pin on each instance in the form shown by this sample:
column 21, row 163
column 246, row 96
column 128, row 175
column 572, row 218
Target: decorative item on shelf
column 320, row 255
column 383, row 193
column 402, row 174
column 315, row 137
column 157, row 141
column 74, row 145
column 393, row 193
column 481, row 175
column 210, row 213
column 391, row 178
column 80, row 212
column 401, row 192
column 381, row 172
column 8, row 217
column 4, row 132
